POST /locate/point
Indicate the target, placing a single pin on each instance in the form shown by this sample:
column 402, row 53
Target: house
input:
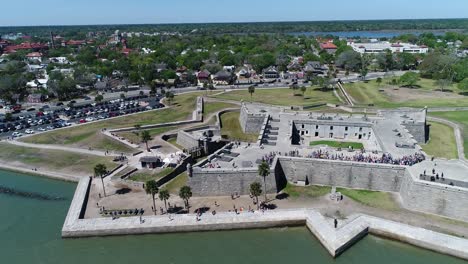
column 222, row 78
column 314, row 67
column 271, row 73
column 34, row 56
column 329, row 47
column 35, row 98
column 73, row 43
column 160, row 67
column 203, row 77
column 229, row 68
column 150, row 162
column 59, row 60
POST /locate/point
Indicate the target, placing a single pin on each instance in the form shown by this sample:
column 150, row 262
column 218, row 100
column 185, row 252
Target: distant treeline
column 260, row 27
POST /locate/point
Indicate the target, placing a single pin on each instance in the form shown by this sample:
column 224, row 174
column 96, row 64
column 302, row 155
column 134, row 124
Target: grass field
column 134, row 136
column 147, row 175
column 441, row 141
column 311, row 191
column 54, row 160
column 88, row 135
column 337, row 144
column 370, row 198
column 424, row 95
column 283, row 96
column 460, row 117
column 232, row 130
column 174, row 185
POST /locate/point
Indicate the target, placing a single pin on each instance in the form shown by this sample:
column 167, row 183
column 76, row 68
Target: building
column 222, row 78
column 329, row 47
column 203, row 77
column 35, row 98
column 383, row 46
column 34, row 56
column 150, row 162
column 271, row 73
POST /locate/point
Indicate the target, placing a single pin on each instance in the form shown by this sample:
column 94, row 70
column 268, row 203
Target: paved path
column 57, row 147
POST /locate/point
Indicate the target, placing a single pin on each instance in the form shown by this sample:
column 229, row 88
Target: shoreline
column 40, row 173
column 335, row 239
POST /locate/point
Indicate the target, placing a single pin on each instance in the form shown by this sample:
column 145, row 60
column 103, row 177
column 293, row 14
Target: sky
column 86, row 12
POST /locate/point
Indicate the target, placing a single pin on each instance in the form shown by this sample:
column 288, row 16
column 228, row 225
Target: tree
column 185, row 193
column 264, row 171
column 443, row 83
column 98, row 98
column 409, row 79
column 364, row 73
column 303, row 90
column 145, row 137
column 379, row 81
column 463, row 85
column 164, row 196
column 251, row 91
column 100, row 170
column 349, row 60
column 152, row 188
column 256, row 190
column 122, row 96
column 169, row 96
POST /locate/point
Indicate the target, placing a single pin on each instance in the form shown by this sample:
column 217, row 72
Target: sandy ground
column 137, row 198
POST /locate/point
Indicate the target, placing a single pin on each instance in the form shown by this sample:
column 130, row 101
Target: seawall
column 335, row 240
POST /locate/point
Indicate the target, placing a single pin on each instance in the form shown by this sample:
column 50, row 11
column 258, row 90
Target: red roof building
column 328, row 45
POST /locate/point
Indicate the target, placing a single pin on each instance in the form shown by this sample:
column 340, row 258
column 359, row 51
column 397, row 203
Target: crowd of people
column 385, row 158
column 268, row 158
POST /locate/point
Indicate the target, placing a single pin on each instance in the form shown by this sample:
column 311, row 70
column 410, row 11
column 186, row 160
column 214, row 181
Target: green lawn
column 134, row 136
column 55, row 160
column 460, row 117
column 146, row 175
column 311, row 191
column 232, row 129
column 213, row 107
column 368, row 93
column 337, row 144
column 441, row 141
column 371, row 198
column 88, row 135
column 283, row 96
column 174, row 185
column 173, row 141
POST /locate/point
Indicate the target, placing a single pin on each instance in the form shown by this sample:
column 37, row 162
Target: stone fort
column 391, row 159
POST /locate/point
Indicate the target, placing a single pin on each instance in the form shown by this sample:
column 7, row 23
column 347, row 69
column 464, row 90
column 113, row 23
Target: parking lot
column 49, row 117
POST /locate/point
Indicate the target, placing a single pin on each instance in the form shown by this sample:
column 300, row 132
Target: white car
column 89, row 119
column 41, row 129
column 29, row 131
column 16, row 134
column 50, row 128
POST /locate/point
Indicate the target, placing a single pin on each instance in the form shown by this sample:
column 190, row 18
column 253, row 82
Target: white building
column 379, row 47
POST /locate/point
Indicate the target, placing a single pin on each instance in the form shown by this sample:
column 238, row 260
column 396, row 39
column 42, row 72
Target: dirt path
column 57, row 147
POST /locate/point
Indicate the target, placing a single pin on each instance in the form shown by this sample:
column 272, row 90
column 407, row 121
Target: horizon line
column 237, row 22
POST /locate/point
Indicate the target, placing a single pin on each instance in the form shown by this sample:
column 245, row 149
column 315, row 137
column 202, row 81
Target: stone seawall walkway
column 335, row 240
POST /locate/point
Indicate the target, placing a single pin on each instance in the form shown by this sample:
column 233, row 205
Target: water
column 30, row 233
column 366, row 34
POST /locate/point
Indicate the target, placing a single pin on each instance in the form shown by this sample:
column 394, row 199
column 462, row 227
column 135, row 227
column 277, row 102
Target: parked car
column 29, row 131
column 16, row 134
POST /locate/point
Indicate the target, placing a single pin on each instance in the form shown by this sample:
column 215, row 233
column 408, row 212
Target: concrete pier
column 334, row 240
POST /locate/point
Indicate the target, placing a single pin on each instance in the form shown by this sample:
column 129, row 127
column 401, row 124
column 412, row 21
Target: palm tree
column 100, row 170
column 256, row 190
column 145, row 137
column 251, row 91
column 151, row 187
column 185, row 193
column 164, row 196
column 264, row 171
